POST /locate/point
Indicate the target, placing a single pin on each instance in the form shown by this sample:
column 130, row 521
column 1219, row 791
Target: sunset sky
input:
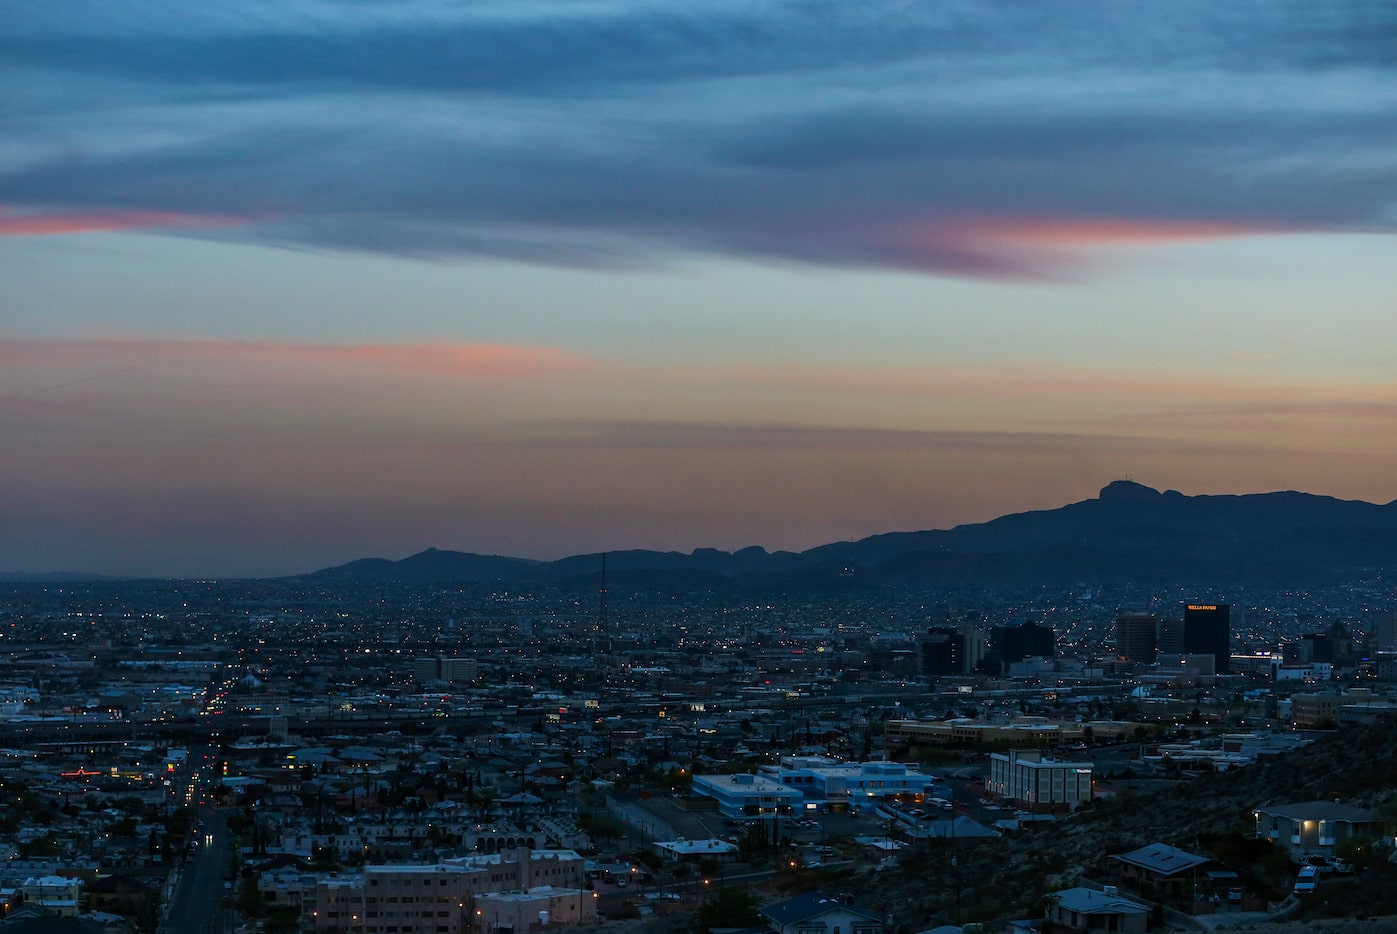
column 289, row 283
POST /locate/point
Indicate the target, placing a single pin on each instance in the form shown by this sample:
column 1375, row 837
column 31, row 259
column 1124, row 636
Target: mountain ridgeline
column 1128, row 533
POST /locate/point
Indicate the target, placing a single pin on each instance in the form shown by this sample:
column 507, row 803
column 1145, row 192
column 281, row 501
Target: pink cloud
column 470, row 360
column 1037, row 247
column 1087, row 232
column 18, row 223
column 491, row 361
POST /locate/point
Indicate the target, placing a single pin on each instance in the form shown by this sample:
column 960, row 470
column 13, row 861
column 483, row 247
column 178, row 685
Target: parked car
column 1307, row 881
column 1320, row 864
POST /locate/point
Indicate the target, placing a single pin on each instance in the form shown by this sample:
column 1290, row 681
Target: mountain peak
column 1128, row 491
column 1132, row 533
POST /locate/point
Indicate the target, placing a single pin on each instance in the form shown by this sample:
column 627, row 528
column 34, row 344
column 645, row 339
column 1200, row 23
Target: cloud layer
column 995, row 140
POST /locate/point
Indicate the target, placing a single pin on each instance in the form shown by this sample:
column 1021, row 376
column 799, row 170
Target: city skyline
column 287, row 285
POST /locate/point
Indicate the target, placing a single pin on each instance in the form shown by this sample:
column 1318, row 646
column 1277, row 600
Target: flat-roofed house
column 1087, row 910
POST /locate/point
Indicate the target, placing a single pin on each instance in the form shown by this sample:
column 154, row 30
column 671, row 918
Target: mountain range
column 1129, row 533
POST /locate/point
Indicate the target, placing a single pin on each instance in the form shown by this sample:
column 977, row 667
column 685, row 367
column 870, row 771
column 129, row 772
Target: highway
column 67, row 732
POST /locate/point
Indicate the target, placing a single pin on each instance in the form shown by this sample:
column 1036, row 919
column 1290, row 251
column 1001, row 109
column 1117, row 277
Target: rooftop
column 1162, row 859
column 1319, row 810
column 1090, row 901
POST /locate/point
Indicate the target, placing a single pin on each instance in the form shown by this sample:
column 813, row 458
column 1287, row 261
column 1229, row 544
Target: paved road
column 197, row 906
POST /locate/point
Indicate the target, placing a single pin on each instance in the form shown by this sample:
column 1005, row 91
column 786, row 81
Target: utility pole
column 955, row 863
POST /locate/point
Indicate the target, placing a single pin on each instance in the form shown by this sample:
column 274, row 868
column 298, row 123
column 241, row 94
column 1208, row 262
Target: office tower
column 1171, row 637
column 1009, row 644
column 1137, row 637
column 974, row 639
column 952, row 650
column 1386, row 640
column 1207, row 630
column 1311, row 647
column 943, row 651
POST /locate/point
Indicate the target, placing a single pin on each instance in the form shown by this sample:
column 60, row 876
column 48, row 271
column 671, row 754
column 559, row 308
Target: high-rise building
column 1386, row 639
column 952, row 650
column 1137, row 637
column 1171, row 637
column 974, row 646
column 1010, row 644
column 1208, row 630
column 1311, row 647
column 943, row 651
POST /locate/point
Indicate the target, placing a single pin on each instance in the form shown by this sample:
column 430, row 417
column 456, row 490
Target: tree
column 602, row 826
column 249, row 899
column 1356, row 851
column 729, row 908
column 282, row 921
column 324, row 859
column 677, row 779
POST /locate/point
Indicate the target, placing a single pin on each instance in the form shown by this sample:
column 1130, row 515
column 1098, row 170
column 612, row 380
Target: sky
column 289, row 283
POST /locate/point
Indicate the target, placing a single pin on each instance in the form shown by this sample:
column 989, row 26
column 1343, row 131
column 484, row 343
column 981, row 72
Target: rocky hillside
column 1008, row 877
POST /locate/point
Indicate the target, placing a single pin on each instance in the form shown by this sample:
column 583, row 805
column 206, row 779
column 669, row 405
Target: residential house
column 59, row 894
column 682, row 850
column 1084, row 910
column 1161, row 872
column 1316, row 827
column 31, row 919
column 123, row 895
column 813, row 913
column 287, row 887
